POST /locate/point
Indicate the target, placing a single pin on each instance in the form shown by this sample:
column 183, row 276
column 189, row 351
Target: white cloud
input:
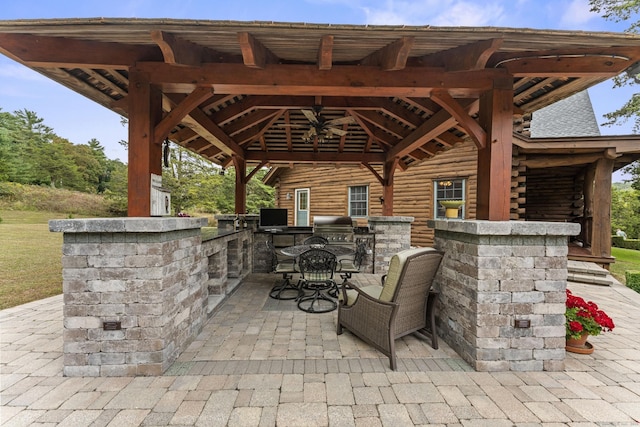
column 577, row 14
column 471, row 14
column 434, row 12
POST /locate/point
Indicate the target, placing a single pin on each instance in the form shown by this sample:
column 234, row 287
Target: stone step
column 589, row 279
column 590, row 268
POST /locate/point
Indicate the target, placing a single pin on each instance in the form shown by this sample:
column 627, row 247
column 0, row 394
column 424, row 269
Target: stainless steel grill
column 338, row 230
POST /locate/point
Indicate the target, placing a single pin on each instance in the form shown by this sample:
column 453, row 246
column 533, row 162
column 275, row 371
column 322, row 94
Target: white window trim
column 349, row 202
column 463, row 210
column 295, row 212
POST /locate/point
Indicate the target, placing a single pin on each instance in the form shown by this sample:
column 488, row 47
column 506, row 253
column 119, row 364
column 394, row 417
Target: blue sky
column 78, row 119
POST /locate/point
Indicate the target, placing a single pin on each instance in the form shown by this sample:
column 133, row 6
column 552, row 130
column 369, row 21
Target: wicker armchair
column 380, row 314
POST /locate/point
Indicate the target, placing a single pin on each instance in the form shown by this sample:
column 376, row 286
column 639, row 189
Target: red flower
column 585, row 316
column 575, row 326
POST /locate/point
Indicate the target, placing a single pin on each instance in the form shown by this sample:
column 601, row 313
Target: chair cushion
column 395, row 268
column 352, row 295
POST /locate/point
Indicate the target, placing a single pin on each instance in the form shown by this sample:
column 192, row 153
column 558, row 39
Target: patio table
column 337, row 250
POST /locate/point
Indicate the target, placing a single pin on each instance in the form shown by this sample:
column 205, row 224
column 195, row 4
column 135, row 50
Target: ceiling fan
column 322, row 129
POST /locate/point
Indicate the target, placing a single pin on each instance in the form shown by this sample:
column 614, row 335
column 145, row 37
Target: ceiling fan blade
column 349, row 120
column 337, row 131
column 310, row 115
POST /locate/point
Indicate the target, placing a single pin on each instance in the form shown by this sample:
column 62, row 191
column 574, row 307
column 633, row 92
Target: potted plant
column 583, row 318
column 451, row 207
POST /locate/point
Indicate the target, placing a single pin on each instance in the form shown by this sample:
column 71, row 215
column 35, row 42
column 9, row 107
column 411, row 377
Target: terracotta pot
column 579, row 345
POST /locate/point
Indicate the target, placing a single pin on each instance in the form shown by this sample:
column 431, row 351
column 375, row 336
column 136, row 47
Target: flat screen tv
column 275, row 218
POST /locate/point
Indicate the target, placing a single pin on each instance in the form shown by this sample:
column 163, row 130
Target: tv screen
column 273, row 217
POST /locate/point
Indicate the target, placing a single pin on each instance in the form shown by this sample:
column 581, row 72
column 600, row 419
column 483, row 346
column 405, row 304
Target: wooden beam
column 200, row 123
column 254, row 53
column 325, row 52
column 66, row 52
column 255, row 170
column 437, row 124
column 552, row 161
column 472, row 127
column 384, row 123
column 253, row 134
column 177, row 51
column 588, row 62
column 493, row 196
column 241, row 184
column 473, row 56
column 175, row 116
column 375, row 173
column 601, row 243
column 387, row 187
column 300, row 80
column 391, row 57
column 312, row 157
column 145, row 157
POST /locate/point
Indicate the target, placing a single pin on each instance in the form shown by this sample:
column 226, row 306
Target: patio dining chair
column 317, row 267
column 380, row 314
column 281, row 264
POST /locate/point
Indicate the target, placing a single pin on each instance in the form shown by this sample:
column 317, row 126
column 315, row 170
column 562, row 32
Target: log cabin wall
column 554, row 195
column 413, row 189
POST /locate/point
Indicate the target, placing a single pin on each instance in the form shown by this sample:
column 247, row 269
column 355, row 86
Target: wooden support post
column 601, row 237
column 494, row 160
column 145, row 157
column 586, row 233
column 241, row 184
column 387, row 186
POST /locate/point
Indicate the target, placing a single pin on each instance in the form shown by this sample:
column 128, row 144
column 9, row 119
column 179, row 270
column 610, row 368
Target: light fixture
column 381, row 200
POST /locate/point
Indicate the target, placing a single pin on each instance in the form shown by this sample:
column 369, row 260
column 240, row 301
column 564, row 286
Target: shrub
column 633, row 279
column 619, row 242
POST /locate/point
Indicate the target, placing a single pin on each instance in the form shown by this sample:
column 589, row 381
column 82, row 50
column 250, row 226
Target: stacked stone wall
column 497, row 273
column 148, row 276
column 392, row 235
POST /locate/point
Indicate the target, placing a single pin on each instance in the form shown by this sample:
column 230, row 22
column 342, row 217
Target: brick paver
column 253, row 365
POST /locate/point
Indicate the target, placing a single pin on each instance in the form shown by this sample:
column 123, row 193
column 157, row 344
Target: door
column 302, row 207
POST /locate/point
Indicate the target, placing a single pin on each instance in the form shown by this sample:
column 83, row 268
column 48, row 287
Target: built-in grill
column 338, row 230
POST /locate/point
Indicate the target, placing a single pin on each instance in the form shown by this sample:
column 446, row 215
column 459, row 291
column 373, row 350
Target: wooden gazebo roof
column 234, row 92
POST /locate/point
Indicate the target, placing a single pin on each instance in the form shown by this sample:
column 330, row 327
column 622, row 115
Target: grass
column 626, row 259
column 30, row 259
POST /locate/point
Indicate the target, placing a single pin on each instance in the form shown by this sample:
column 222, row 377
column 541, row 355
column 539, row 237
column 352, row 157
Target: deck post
column 494, row 159
column 145, row 156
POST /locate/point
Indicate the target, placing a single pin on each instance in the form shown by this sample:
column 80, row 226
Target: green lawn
column 30, row 259
column 626, row 259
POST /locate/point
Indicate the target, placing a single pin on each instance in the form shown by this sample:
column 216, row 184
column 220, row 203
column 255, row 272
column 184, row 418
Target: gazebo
column 241, row 93
column 261, row 94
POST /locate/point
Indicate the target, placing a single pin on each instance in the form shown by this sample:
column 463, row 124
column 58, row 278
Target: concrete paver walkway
column 260, row 362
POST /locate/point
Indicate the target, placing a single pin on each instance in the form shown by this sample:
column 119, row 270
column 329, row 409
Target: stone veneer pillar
column 495, row 273
column 392, row 235
column 135, row 293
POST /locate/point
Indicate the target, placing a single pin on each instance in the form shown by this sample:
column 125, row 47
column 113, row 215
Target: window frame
column 461, row 192
column 351, row 202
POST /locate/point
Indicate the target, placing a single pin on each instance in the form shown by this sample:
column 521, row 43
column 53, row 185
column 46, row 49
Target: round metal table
column 337, row 250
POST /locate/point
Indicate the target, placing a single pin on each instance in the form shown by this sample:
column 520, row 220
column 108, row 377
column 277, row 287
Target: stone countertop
column 125, row 225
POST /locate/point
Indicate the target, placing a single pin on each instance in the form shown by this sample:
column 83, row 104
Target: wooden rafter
column 391, row 57
column 62, row 52
column 311, row 157
column 254, row 53
column 472, row 127
column 473, row 56
column 176, row 50
column 175, row 116
column 325, row 52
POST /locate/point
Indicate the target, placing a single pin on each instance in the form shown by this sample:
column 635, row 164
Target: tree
column 625, row 211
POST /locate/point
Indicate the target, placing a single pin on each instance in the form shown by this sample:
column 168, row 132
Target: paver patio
column 262, row 362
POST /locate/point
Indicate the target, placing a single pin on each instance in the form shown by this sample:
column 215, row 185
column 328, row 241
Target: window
column 448, row 189
column 359, row 201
